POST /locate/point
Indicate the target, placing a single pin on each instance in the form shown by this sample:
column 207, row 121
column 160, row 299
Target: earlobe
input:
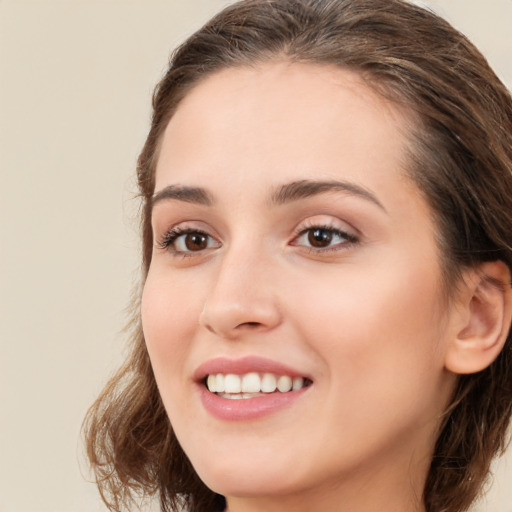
column 483, row 319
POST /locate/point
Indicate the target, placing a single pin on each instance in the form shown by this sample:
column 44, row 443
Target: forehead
column 281, row 121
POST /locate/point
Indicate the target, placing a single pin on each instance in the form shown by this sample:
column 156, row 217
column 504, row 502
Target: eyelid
column 326, row 222
column 347, row 239
column 166, row 240
column 350, row 235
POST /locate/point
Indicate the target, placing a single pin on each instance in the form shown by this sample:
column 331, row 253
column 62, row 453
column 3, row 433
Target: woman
column 327, row 243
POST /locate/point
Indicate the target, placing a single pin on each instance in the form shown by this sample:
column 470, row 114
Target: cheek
column 379, row 330
column 392, row 298
column 169, row 320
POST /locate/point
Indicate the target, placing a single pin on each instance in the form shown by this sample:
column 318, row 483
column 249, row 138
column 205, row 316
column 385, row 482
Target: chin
column 248, row 477
column 252, row 485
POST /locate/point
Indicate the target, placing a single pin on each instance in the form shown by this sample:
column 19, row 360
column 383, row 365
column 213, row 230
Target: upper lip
column 244, row 365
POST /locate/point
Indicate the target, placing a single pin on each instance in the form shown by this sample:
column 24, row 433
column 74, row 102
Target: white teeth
column 268, row 383
column 284, row 384
column 234, row 396
column 298, row 383
column 219, row 383
column 239, row 396
column 232, row 383
column 252, row 384
column 210, row 382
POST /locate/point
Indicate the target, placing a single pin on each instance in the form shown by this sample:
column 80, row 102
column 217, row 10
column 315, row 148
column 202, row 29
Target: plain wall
column 75, row 83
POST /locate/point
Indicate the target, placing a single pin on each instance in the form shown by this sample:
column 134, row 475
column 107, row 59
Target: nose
column 242, row 298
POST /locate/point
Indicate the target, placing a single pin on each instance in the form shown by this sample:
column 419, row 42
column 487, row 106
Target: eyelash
column 349, row 239
column 171, row 236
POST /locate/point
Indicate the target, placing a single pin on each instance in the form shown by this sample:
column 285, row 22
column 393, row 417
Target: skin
column 363, row 317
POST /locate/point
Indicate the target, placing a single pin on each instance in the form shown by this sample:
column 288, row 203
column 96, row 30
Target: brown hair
column 461, row 158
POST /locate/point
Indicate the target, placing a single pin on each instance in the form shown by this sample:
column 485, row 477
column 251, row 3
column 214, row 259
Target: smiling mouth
column 253, row 384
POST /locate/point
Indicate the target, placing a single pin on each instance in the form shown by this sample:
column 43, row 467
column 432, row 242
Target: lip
column 251, row 408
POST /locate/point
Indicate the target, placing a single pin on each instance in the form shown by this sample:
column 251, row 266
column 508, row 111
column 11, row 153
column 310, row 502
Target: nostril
column 250, row 324
column 241, row 326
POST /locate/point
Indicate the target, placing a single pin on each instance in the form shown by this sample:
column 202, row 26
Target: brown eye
column 189, row 241
column 196, row 241
column 320, row 237
column 324, row 238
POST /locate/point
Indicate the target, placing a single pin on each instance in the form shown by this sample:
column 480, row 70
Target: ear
column 482, row 318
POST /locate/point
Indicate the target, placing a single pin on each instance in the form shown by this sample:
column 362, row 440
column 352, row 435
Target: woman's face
column 290, row 243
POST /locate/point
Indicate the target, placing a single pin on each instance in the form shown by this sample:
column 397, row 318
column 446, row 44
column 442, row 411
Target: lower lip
column 248, row 408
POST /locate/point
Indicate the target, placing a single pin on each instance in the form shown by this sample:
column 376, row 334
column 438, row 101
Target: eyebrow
column 307, row 188
column 284, row 194
column 195, row 195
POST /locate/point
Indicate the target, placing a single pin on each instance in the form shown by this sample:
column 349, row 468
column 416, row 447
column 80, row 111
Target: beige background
column 75, row 84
